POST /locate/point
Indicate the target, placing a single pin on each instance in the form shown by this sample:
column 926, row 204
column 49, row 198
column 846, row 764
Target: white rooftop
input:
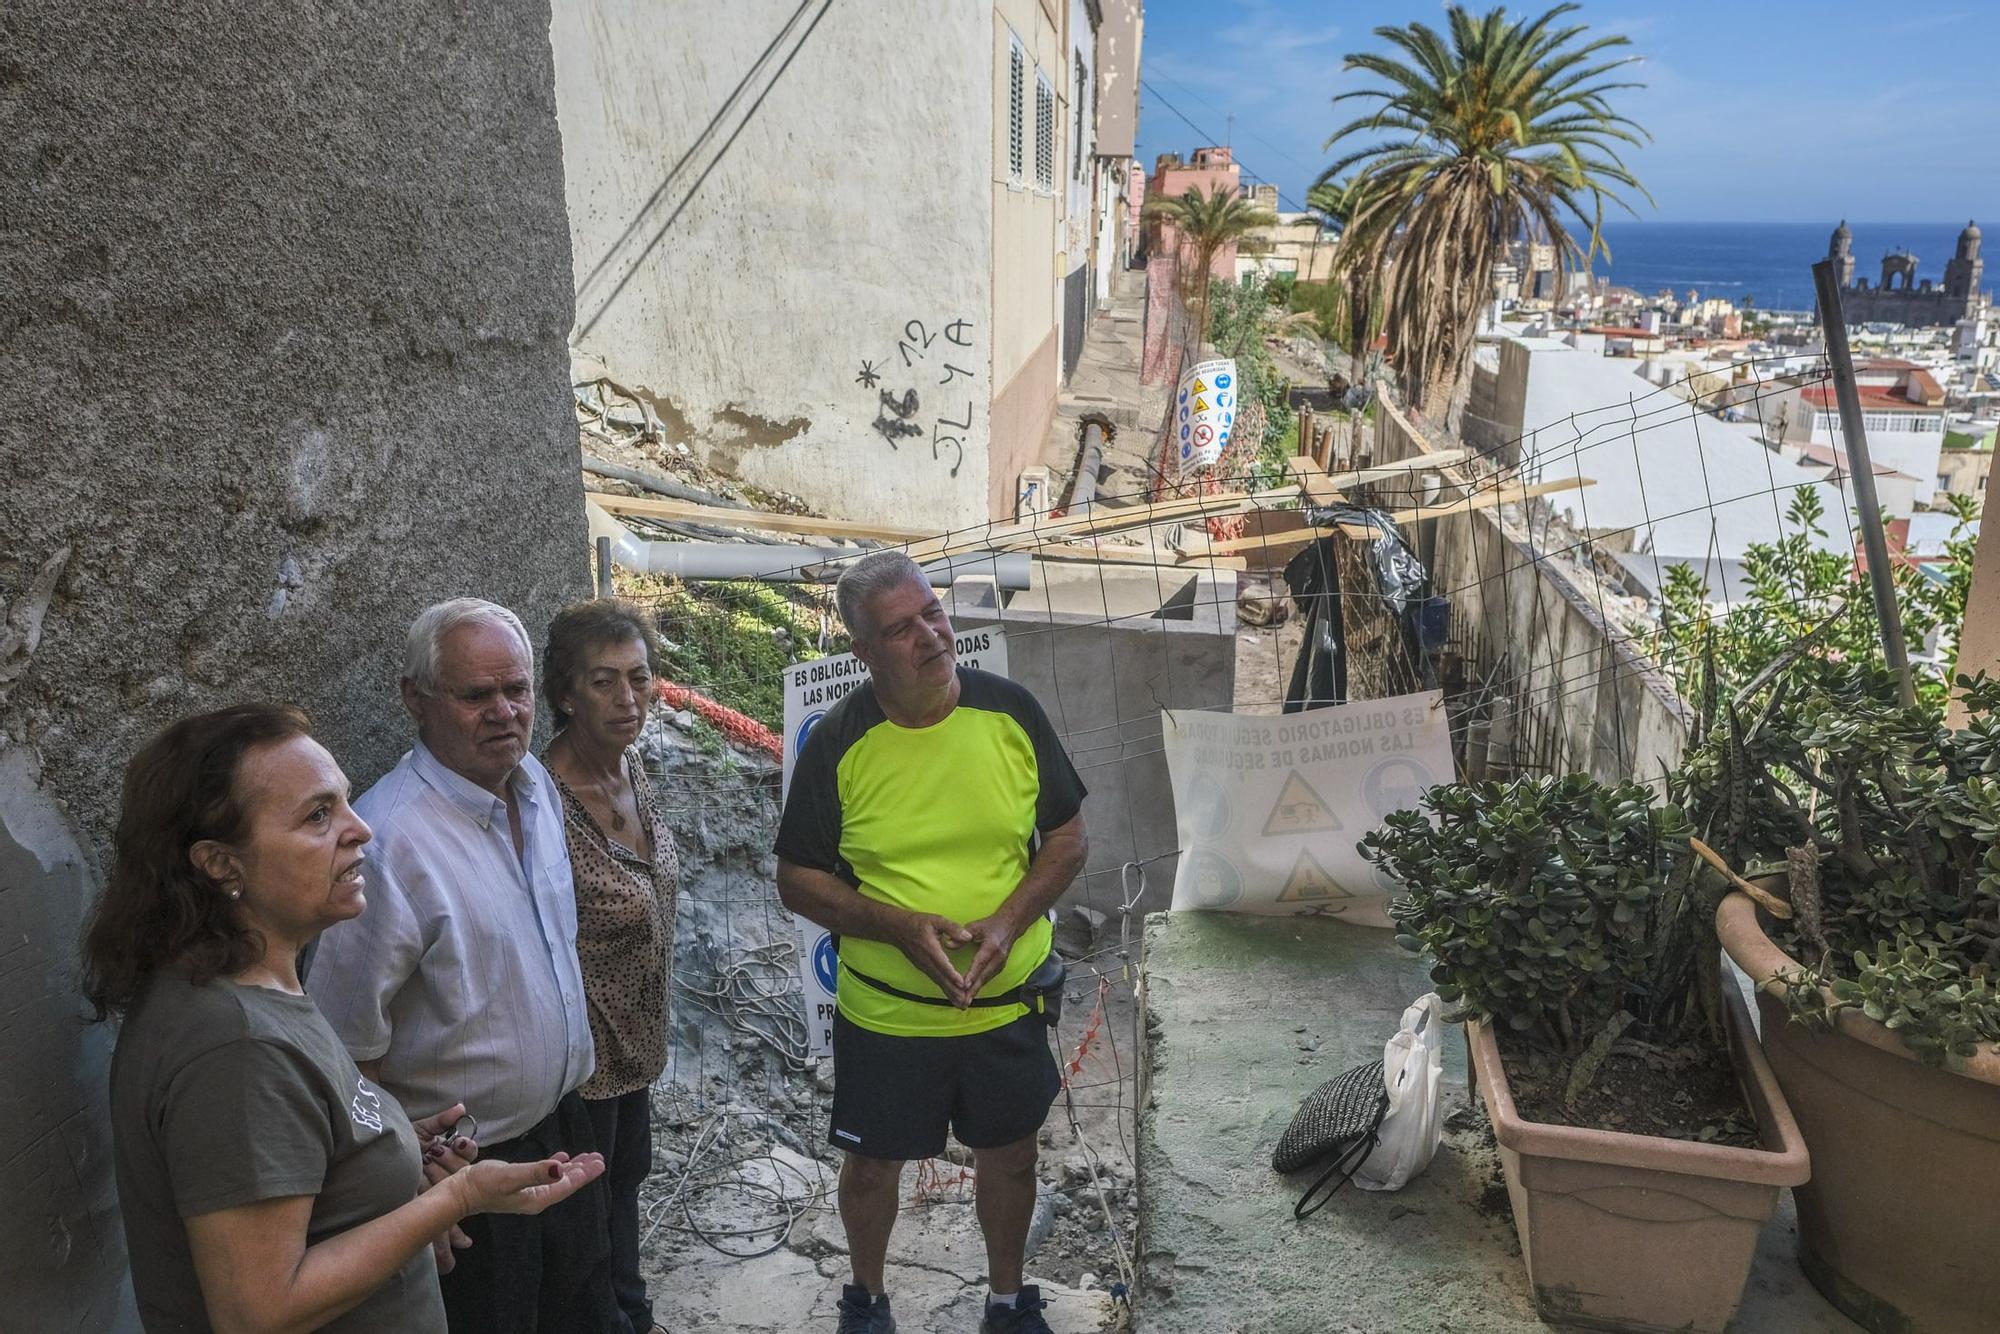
column 1680, row 481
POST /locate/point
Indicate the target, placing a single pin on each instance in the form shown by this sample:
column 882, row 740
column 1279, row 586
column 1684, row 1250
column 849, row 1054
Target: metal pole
column 1881, row 577
column 604, row 585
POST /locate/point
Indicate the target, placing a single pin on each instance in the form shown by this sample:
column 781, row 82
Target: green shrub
column 1888, row 827
column 1549, row 905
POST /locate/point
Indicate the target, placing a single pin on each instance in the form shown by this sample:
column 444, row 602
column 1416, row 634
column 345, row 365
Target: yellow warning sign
column 1300, row 810
column 1309, row 883
column 1199, row 387
column 1200, row 403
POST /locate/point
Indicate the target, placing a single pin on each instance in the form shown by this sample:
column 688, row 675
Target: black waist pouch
column 1042, row 993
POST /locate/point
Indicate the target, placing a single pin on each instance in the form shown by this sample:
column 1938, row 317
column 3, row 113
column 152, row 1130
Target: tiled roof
column 1828, row 457
column 1875, row 398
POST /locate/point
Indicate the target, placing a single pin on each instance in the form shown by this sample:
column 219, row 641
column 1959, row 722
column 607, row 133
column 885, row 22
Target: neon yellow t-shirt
column 939, row 819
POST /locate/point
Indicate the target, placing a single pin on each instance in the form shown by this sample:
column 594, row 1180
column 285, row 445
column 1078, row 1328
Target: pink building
column 1211, row 169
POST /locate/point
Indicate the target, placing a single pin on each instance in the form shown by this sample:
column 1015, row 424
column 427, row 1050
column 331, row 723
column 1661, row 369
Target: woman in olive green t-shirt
column 265, row 1183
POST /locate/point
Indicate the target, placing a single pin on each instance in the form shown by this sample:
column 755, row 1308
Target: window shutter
column 1045, row 132
column 1016, row 113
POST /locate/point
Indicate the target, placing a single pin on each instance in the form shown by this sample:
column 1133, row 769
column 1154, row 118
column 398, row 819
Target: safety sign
column 1205, row 411
column 1269, row 808
column 811, row 691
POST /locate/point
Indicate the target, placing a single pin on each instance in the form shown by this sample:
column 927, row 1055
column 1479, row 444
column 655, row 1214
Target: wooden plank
column 1482, row 500
column 1163, row 557
column 1314, row 480
column 1016, row 536
column 684, row 511
column 1383, row 472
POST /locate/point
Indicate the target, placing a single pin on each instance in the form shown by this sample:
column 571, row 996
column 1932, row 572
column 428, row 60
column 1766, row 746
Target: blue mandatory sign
column 805, row 730
column 1222, row 381
column 1183, row 395
column 826, row 962
column 1395, row 785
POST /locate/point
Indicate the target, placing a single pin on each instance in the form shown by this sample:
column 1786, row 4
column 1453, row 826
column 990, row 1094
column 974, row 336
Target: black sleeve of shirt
column 1062, row 791
column 809, row 831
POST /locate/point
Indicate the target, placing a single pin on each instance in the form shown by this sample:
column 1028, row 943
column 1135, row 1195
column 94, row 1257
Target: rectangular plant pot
column 1636, row 1232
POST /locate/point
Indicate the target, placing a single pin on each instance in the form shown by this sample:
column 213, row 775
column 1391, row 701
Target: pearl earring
column 235, row 893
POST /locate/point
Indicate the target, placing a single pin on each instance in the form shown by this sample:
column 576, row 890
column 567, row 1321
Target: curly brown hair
column 157, row 909
column 583, row 626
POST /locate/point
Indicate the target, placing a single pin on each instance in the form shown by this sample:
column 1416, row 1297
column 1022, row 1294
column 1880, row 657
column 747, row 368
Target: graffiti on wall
column 924, row 352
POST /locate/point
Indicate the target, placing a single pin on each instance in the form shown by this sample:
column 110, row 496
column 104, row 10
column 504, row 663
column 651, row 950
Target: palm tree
column 1205, row 224
column 1497, row 134
column 1361, row 286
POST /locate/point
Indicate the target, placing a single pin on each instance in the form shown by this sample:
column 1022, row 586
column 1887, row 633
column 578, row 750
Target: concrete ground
column 1106, row 382
column 1246, row 1015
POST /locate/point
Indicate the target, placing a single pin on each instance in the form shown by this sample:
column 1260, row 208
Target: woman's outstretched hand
column 523, row 1188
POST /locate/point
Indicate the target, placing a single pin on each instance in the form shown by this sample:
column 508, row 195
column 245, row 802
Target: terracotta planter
column 1635, row 1232
column 1898, row 1226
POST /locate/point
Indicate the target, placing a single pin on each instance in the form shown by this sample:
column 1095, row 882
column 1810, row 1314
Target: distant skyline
column 1767, row 111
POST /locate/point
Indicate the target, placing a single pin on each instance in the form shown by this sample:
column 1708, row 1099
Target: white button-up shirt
column 461, row 976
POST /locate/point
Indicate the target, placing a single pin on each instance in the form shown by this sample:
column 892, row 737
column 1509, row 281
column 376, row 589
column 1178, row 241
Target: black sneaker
column 1023, row 1317
column 862, row 1314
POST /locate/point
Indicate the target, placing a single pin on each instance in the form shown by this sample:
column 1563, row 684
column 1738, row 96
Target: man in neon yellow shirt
column 933, row 820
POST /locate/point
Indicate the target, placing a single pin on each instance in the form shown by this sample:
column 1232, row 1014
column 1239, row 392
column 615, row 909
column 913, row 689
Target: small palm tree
column 1497, row 134
column 1357, row 316
column 1204, row 225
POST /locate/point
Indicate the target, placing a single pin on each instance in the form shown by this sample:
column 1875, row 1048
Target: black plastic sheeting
column 1319, row 675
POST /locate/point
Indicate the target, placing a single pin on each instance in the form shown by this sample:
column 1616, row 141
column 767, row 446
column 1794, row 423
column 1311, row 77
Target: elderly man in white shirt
column 461, row 983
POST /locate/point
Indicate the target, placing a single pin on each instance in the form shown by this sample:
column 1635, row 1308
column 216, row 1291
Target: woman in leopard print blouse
column 597, row 677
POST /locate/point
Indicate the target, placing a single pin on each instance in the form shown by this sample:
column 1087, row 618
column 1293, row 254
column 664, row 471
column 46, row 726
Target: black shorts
column 895, row 1097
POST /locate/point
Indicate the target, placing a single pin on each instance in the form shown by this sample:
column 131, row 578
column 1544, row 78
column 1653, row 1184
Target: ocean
column 1769, row 261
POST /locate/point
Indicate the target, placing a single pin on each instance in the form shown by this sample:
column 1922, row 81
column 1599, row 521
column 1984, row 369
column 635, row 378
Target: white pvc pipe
column 800, row 564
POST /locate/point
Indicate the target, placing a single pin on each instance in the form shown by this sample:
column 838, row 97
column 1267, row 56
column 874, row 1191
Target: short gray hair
column 425, row 646
column 873, row 574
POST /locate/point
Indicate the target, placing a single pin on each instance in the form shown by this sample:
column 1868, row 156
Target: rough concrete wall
column 282, row 348
column 780, row 216
column 1569, row 692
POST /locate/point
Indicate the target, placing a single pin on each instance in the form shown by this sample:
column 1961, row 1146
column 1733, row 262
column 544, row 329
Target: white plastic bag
column 1412, row 1068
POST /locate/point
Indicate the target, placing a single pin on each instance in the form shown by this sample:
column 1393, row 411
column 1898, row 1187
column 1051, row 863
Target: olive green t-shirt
column 940, row 819
column 225, row 1095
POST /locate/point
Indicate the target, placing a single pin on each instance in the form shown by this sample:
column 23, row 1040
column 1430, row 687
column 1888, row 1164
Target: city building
column 1208, row 170
column 1115, row 116
column 1672, row 484
column 1962, row 469
column 1299, row 243
column 1900, row 298
column 1903, row 411
column 924, row 185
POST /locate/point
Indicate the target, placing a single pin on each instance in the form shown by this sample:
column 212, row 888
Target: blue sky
column 1761, row 110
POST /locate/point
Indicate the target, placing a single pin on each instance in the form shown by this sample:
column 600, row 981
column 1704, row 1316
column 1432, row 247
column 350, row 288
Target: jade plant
column 1561, row 909
column 1879, row 829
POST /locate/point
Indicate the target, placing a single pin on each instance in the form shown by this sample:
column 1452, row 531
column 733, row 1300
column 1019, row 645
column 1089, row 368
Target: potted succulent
column 1643, row 1137
column 1864, row 840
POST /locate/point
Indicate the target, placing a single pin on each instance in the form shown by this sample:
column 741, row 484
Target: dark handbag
column 1340, row 1121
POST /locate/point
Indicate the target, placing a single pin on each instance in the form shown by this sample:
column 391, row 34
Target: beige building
column 831, row 243
column 1298, row 243
column 1962, row 470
